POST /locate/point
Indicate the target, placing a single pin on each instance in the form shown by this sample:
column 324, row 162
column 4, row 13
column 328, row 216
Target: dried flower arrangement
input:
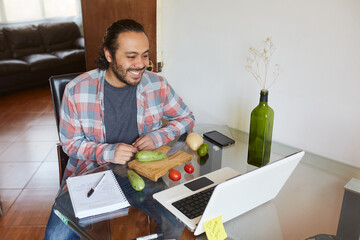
column 259, row 61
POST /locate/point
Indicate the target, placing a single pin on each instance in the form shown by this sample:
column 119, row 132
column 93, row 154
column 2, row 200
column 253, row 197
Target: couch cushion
column 4, row 48
column 43, row 61
column 70, row 56
column 13, row 66
column 79, row 43
column 23, row 40
column 59, row 36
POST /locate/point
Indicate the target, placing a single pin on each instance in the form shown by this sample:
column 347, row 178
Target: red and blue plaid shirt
column 82, row 129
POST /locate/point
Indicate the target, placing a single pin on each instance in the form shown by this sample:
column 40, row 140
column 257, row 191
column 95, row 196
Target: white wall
column 316, row 98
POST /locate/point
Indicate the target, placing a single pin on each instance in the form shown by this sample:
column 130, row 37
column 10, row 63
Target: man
column 111, row 113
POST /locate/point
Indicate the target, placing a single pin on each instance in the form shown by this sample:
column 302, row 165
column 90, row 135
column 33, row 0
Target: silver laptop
column 230, row 194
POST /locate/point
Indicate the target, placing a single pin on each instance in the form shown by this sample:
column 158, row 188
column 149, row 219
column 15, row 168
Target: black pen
column 151, row 236
column 92, row 190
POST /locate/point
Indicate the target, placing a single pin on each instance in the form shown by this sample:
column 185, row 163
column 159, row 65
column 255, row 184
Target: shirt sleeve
column 178, row 115
column 75, row 142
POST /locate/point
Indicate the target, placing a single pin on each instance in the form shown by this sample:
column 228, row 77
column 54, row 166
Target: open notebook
column 107, row 197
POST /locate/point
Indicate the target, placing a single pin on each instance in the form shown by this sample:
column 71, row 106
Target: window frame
column 4, row 21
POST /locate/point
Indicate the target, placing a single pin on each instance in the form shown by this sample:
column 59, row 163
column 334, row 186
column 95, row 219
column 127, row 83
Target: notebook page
column 107, row 197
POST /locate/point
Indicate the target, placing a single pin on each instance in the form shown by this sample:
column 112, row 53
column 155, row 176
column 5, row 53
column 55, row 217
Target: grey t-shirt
column 120, row 114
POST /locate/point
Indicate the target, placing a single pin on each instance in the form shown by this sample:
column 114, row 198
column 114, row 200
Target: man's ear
column 107, row 55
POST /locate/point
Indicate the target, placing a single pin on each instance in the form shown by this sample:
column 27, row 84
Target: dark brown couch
column 30, row 54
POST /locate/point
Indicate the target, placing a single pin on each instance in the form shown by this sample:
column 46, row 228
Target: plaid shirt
column 82, row 129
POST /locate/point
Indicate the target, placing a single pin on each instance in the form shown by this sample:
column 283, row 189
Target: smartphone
column 218, row 138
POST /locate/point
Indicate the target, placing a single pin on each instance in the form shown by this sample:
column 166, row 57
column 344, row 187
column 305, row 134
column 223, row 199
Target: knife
column 178, row 145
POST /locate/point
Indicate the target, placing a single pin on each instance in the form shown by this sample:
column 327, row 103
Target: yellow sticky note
column 214, row 229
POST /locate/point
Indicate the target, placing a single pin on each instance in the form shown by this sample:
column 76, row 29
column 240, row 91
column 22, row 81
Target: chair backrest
column 57, row 86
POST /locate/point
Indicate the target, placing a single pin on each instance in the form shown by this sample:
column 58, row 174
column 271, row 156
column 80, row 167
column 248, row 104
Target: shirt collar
column 101, row 84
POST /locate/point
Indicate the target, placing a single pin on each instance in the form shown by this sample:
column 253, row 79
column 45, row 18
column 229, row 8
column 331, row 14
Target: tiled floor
column 29, row 177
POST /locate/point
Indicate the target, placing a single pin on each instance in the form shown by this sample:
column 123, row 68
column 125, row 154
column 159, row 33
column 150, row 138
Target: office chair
column 57, row 86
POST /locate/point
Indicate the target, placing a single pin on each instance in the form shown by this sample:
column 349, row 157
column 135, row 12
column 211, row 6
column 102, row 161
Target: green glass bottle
column 261, row 126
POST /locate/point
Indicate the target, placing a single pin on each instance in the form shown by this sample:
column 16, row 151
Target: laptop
column 227, row 193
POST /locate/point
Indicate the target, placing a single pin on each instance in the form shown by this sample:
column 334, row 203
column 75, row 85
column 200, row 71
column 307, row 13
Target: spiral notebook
column 107, row 197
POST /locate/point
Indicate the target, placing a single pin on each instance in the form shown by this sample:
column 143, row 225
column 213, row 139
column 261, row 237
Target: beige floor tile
column 45, row 118
column 31, row 208
column 11, row 133
column 47, row 176
column 20, row 119
column 16, row 175
column 7, row 198
column 52, row 156
column 26, row 152
column 39, row 133
column 3, row 146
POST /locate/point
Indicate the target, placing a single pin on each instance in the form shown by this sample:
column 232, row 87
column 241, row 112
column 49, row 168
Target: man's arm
column 180, row 118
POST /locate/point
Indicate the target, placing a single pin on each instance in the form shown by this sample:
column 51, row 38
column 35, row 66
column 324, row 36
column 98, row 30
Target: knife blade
column 178, row 145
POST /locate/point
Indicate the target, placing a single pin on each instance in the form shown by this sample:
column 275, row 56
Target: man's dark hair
column 110, row 39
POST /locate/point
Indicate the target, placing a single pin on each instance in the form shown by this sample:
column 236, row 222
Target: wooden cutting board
column 157, row 169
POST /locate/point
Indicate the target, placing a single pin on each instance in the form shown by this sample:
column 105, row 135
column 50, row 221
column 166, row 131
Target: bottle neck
column 264, row 96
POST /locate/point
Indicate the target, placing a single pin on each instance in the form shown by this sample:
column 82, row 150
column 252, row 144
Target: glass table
column 308, row 204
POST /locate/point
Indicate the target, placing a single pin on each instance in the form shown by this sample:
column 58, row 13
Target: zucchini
column 136, row 181
column 149, row 156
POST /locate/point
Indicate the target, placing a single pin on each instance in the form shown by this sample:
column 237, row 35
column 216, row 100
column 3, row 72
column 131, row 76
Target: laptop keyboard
column 194, row 205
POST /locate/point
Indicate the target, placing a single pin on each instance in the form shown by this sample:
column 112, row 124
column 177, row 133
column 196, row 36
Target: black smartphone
column 218, row 138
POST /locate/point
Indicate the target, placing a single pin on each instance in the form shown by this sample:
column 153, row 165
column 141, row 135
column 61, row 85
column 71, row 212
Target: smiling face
column 129, row 61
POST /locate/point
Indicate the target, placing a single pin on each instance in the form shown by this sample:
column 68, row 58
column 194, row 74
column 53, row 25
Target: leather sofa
column 30, row 54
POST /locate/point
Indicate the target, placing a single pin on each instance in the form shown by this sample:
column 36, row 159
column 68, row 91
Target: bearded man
column 110, row 113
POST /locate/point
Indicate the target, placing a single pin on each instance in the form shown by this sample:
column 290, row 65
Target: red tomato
column 189, row 168
column 175, row 175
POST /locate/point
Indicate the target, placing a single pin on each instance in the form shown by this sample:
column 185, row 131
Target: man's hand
column 123, row 153
column 144, row 143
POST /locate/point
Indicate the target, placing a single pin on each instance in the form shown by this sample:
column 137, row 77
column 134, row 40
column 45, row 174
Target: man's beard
column 120, row 73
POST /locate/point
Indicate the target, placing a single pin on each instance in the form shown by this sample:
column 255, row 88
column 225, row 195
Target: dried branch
column 261, row 60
